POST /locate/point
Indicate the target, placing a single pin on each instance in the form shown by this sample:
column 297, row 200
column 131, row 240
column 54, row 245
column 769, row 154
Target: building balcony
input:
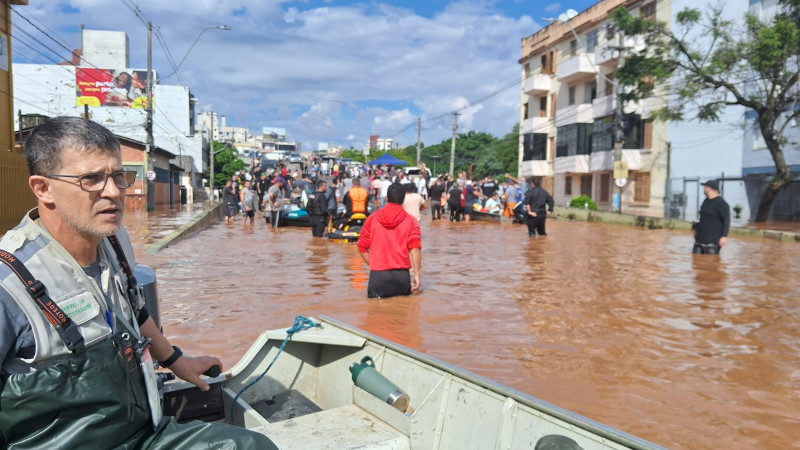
column 536, row 169
column 537, row 125
column 576, row 67
column 572, row 164
column 606, row 54
column 538, row 84
column 604, row 161
column 607, row 105
column 581, row 113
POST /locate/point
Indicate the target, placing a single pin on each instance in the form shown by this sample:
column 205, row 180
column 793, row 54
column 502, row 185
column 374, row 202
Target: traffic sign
column 620, row 170
column 621, row 182
column 151, row 175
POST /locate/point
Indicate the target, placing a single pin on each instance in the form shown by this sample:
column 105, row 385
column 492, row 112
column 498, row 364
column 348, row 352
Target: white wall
column 105, row 49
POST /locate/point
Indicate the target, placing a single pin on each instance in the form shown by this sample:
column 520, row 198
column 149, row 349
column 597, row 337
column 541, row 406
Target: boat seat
column 345, row 427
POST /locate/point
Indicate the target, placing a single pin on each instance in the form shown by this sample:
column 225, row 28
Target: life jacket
column 67, row 284
column 358, row 199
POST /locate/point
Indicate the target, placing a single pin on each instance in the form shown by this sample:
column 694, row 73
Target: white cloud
column 553, row 8
column 280, row 64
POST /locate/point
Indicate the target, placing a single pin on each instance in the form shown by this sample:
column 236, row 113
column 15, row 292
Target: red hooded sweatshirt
column 388, row 235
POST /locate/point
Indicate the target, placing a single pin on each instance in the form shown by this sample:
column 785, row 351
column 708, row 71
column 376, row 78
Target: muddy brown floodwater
column 619, row 324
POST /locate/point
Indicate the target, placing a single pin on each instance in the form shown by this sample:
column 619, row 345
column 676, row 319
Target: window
column 575, row 139
column 572, row 95
column 609, row 85
column 590, row 91
column 527, row 70
column 568, row 186
column 641, row 187
column 648, row 11
column 543, row 107
column 573, row 48
column 591, row 41
column 603, row 134
column 525, row 111
column 534, row 147
column 586, row 185
column 605, row 187
column 634, row 132
column 545, row 65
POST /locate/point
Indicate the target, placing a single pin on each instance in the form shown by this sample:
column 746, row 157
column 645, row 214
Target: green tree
column 226, row 162
column 710, row 62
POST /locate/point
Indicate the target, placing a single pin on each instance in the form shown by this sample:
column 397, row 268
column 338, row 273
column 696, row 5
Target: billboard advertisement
column 277, row 133
column 125, row 88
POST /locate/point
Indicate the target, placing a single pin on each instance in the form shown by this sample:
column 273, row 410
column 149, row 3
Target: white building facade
column 568, row 114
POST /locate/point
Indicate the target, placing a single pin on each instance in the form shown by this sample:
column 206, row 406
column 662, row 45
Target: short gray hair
column 48, row 141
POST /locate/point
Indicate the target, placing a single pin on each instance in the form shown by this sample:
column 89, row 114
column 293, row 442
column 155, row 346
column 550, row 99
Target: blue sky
column 326, row 70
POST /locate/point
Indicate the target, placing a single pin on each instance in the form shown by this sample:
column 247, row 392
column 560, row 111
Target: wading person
column 275, row 201
column 317, row 208
column 711, row 232
column 248, row 199
column 231, row 202
column 538, row 205
column 71, row 373
column 390, row 244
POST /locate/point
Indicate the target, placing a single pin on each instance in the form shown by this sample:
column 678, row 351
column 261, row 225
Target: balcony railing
column 607, row 105
column 576, row 67
column 572, row 164
column 537, row 125
column 581, row 113
column 537, row 84
column 536, row 169
column 604, row 161
column 606, row 53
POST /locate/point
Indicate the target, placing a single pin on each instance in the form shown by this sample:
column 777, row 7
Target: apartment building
column 568, row 113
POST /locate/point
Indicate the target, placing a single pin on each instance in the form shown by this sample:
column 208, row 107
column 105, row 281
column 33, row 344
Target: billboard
column 125, row 88
column 276, row 133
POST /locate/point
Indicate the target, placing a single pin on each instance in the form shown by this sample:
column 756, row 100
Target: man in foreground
column 711, row 233
column 538, row 205
column 73, row 368
column 390, row 244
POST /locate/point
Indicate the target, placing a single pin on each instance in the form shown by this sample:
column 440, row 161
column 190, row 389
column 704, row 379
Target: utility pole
column 211, row 155
column 419, row 137
column 149, row 126
column 620, row 166
column 453, row 143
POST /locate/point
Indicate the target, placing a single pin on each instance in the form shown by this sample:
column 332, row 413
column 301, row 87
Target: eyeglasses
column 94, row 182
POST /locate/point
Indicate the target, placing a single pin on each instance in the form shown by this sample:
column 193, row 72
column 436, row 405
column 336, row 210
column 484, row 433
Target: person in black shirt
column 711, row 233
column 538, row 205
column 231, row 201
column 437, row 191
column 317, row 209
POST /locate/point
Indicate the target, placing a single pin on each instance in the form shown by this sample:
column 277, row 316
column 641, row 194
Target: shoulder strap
column 133, row 290
column 65, row 327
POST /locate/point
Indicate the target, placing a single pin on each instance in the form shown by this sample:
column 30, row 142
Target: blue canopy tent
column 389, row 160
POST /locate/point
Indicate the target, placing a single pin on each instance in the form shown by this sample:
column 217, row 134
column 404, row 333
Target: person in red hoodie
column 390, row 244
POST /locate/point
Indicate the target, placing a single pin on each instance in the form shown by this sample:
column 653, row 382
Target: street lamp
column 618, row 133
column 221, row 27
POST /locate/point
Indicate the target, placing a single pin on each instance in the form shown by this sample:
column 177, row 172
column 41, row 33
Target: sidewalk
column 146, row 228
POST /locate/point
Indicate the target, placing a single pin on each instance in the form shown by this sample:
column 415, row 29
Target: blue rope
column 300, row 323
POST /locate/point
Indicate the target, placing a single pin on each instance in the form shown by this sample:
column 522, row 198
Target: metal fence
column 685, row 195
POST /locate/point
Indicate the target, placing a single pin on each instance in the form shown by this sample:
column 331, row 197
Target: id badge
column 153, row 398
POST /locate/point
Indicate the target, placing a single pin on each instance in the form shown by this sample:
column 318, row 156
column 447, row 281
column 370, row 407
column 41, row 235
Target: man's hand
column 532, row 213
column 549, row 213
column 415, row 282
column 189, row 368
column 722, row 241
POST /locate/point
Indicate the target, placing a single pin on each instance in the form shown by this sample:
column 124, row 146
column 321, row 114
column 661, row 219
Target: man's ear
column 41, row 188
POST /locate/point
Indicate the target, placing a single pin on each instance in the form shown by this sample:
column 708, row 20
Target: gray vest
column 68, row 285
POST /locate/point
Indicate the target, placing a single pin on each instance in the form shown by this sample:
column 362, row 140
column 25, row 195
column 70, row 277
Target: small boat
column 297, row 387
column 487, row 217
column 294, row 215
column 351, row 229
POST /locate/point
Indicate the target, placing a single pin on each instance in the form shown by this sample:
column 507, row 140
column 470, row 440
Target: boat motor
column 148, row 289
column 367, row 378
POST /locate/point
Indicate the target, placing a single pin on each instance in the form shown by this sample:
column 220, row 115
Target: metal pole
column 149, row 145
column 419, row 134
column 453, row 143
column 211, row 156
column 618, row 132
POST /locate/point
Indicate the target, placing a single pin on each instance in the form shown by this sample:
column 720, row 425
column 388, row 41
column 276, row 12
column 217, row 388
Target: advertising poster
column 3, row 51
column 125, row 88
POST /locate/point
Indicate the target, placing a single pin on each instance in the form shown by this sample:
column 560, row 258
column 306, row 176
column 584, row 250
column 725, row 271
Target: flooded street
column 619, row 324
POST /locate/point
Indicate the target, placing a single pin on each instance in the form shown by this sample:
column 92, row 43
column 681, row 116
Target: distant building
column 385, row 145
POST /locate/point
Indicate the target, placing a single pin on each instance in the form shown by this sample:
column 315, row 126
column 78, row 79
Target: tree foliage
column 710, row 62
column 226, row 163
